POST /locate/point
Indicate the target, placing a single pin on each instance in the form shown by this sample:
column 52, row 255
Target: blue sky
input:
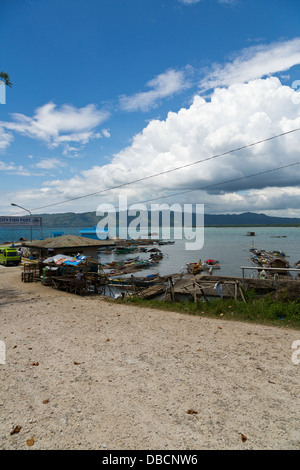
column 110, row 91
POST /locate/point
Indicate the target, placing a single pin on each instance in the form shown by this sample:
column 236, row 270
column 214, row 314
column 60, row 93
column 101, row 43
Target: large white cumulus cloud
column 235, row 116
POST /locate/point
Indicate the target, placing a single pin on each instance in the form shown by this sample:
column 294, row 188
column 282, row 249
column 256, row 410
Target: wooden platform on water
column 191, row 287
column 150, row 292
column 189, row 284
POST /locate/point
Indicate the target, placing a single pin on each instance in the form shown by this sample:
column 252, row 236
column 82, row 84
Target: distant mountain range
column 247, row 219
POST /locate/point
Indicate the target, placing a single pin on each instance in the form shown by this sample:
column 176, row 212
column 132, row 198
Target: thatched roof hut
column 68, row 245
column 278, row 263
column 281, row 264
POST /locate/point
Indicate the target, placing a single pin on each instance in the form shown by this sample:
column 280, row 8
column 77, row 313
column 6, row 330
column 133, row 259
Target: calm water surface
column 229, row 245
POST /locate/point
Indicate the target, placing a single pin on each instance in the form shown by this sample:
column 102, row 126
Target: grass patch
column 257, row 310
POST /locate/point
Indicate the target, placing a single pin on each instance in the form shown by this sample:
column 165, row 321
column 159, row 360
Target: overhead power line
column 213, row 185
column 180, row 168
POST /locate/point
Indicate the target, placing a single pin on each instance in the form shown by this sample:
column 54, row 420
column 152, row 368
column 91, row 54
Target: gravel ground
column 85, row 373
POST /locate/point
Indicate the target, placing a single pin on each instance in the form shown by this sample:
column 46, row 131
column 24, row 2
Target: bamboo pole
column 202, row 291
column 242, row 295
column 194, row 292
column 172, row 289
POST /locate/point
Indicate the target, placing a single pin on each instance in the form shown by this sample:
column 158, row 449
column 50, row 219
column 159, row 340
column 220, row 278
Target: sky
column 150, row 100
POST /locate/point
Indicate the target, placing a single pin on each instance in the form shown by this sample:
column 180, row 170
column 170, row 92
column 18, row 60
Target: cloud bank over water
column 235, row 116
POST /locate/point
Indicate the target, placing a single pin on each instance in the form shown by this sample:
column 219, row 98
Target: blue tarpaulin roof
column 66, row 260
column 95, row 233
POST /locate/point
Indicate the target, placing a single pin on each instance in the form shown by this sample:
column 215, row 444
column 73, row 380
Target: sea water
column 228, row 245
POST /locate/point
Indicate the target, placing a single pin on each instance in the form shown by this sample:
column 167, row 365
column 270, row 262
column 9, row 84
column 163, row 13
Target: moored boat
column 124, row 249
column 196, row 268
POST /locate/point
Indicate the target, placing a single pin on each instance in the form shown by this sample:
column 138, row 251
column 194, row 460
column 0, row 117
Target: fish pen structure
column 31, row 272
column 83, row 279
column 80, row 275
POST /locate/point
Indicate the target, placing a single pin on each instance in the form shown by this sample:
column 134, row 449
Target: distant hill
column 248, row 218
column 70, row 219
column 89, row 219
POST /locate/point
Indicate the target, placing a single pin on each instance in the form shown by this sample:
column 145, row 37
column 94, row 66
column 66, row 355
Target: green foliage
column 5, row 77
column 261, row 310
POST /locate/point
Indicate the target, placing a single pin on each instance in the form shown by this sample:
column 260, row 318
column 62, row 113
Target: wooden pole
column 235, row 290
column 194, row 292
column 202, row 291
column 229, row 288
column 276, row 280
column 133, row 284
column 172, row 289
column 242, row 295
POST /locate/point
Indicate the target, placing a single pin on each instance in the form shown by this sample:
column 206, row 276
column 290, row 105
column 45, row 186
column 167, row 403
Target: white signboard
column 30, row 221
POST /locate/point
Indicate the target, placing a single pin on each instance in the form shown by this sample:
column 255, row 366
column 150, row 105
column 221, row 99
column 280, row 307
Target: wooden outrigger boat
column 134, row 281
column 125, row 249
column 196, row 268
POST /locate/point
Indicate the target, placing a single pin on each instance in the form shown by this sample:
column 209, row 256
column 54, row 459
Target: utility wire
column 217, row 184
column 174, row 169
